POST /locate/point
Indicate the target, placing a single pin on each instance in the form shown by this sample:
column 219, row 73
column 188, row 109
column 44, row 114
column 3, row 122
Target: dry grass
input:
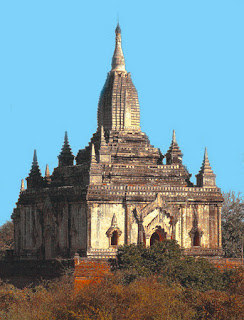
column 143, row 299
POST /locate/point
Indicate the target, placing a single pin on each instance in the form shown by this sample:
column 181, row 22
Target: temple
column 118, row 190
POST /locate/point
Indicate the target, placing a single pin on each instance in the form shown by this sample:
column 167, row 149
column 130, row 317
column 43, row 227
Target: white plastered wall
column 101, row 219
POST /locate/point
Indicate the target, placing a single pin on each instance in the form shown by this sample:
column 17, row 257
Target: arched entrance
column 158, row 236
column 154, row 238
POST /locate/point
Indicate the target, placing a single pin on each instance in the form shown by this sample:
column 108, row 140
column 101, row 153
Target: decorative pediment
column 150, row 212
column 157, row 219
column 110, row 231
column 194, row 230
column 114, row 227
column 157, row 214
column 159, row 202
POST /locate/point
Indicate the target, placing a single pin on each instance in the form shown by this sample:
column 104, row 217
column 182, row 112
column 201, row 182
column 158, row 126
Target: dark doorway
column 114, row 238
column 196, row 239
column 154, row 238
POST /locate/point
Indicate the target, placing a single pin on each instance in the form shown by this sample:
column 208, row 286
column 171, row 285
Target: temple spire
column 206, row 168
column 174, row 154
column 118, row 61
column 35, row 166
column 66, row 157
column 206, row 177
column 35, row 178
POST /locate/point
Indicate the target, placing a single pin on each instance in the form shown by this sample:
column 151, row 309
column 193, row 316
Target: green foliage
column 198, row 274
column 167, row 260
column 233, row 225
column 150, row 259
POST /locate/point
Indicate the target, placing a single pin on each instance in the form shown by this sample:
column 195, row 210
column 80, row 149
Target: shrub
column 167, row 260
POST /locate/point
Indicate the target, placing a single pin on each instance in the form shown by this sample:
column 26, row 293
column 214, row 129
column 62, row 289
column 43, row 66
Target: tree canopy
column 6, row 236
column 166, row 259
column 233, row 224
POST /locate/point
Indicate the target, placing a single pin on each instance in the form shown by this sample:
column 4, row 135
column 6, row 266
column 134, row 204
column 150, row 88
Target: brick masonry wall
column 226, row 263
column 89, row 271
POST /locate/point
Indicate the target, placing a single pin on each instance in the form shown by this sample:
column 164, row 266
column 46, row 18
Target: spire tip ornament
column 118, row 61
column 206, row 154
column 118, row 29
column 34, row 158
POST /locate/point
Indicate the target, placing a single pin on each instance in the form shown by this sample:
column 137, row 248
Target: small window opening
column 196, row 239
column 114, row 238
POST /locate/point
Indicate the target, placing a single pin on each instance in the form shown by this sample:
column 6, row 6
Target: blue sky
column 186, row 61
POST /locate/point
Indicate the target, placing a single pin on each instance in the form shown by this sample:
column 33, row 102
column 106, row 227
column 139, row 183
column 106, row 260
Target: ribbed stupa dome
column 118, row 107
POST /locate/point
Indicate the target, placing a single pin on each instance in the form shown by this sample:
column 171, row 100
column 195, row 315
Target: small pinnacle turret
column 206, row 168
column 66, row 157
column 47, row 174
column 118, row 61
column 103, row 142
column 93, row 154
column 35, row 171
column 174, row 154
column 206, row 177
column 22, row 188
column 35, row 178
column 95, row 173
column 104, row 153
